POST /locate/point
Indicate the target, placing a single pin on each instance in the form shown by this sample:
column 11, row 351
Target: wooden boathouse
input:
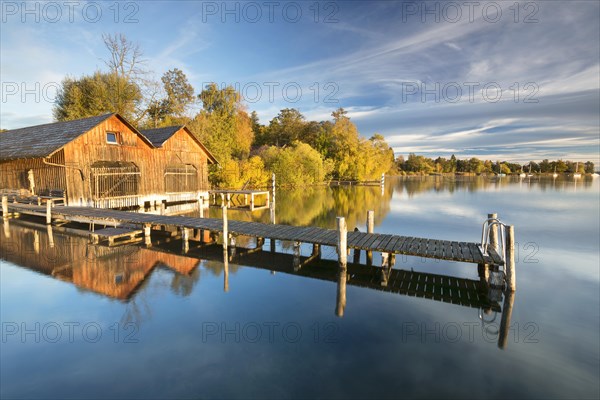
column 105, row 162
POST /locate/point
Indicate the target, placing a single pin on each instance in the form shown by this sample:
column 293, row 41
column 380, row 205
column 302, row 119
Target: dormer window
column 111, row 138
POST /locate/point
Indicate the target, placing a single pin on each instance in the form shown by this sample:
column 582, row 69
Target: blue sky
column 500, row 80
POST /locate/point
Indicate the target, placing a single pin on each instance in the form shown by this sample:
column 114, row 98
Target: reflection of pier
column 119, row 272
column 447, row 289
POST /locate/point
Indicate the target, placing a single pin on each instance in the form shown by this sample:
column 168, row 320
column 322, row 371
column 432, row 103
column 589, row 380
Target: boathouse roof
column 44, row 140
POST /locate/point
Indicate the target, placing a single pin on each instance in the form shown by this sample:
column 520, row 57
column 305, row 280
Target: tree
column 287, row 127
column 222, row 124
column 126, row 68
column 589, row 167
column 178, row 97
column 121, row 89
column 93, row 95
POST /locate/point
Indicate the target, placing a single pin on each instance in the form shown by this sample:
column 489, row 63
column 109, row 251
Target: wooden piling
column 185, row 240
column 225, row 230
column 511, row 278
column 201, row 206
column 493, row 240
column 147, row 239
column 342, row 231
column 48, row 212
column 5, row 207
column 370, row 229
column 316, row 251
column 370, row 221
column 232, row 242
column 296, row 256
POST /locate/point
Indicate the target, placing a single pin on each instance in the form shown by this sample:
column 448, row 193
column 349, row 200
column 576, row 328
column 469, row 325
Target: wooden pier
column 484, row 254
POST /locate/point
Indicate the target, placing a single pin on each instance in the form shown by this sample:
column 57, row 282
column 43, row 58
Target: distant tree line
column 297, row 150
column 424, row 165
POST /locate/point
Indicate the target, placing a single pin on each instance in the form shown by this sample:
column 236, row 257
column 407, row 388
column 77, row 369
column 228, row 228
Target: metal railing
column 488, row 224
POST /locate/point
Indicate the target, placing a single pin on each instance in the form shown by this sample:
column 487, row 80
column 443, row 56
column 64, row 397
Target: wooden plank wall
column 14, row 174
column 91, row 147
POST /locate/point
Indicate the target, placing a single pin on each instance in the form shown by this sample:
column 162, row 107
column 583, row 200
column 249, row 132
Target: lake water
column 80, row 320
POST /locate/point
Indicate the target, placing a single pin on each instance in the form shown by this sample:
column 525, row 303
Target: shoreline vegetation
column 298, row 151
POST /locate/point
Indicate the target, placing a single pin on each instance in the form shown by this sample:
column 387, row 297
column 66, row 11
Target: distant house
column 105, row 162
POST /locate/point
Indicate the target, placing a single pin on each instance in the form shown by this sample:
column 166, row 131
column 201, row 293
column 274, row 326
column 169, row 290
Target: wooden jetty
column 485, row 253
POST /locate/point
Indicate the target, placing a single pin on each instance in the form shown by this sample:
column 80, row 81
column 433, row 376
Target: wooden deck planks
column 418, row 247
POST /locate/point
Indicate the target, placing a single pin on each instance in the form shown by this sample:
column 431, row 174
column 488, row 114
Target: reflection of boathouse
column 115, row 272
column 104, row 162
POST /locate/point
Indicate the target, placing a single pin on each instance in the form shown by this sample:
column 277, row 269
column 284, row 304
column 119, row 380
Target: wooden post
column 342, row 230
column 316, row 251
column 272, row 245
column 185, row 239
column 509, row 300
column 4, row 207
column 48, row 212
column 228, row 200
column 493, row 240
column 370, row 229
column 201, row 206
column 225, row 233
column 511, row 278
column 296, row 261
column 252, row 202
column 147, row 239
column 163, row 208
column 272, row 205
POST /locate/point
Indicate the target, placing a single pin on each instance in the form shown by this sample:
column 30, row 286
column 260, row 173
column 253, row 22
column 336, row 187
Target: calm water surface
column 128, row 322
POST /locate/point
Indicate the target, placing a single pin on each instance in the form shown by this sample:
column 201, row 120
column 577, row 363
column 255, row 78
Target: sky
column 500, row 80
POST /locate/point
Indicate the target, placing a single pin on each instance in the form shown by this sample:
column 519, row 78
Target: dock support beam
column 342, row 242
column 316, row 251
column 272, row 203
column 4, row 207
column 511, row 278
column 370, row 229
column 147, row 239
column 225, row 230
column 185, row 240
column 48, row 212
column 296, row 256
column 494, row 232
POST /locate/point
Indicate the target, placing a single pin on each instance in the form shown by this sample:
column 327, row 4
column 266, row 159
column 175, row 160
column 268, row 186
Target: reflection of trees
column 418, row 184
column 183, row 285
column 320, row 205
